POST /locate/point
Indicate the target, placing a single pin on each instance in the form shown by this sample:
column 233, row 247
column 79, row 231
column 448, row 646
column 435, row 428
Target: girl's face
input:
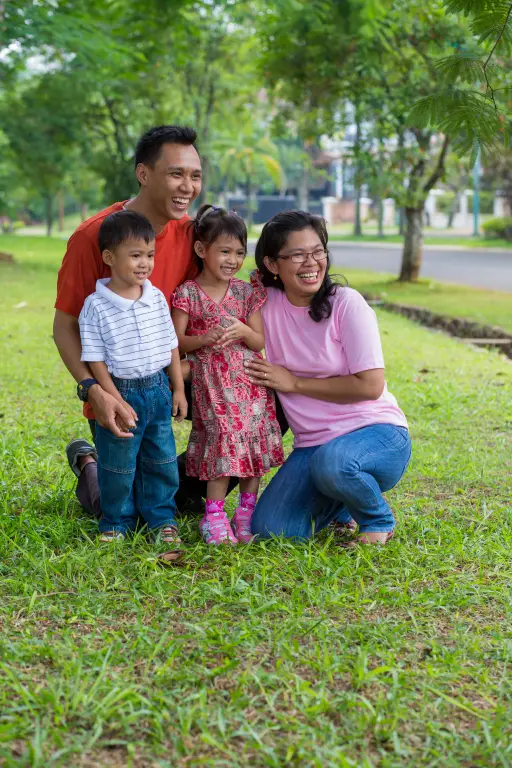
column 223, row 258
column 301, row 265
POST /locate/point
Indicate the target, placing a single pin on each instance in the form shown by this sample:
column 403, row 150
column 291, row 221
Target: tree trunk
column 401, row 221
column 60, row 208
column 49, row 215
column 83, row 210
column 358, row 184
column 380, row 216
column 205, row 179
column 303, row 190
column 413, row 245
column 250, row 204
column 357, row 223
column 453, row 209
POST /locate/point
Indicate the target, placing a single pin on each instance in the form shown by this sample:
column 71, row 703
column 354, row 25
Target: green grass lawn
column 482, row 306
column 430, row 239
column 277, row 654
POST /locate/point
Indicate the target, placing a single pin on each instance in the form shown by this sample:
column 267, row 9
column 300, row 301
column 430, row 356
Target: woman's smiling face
column 301, row 280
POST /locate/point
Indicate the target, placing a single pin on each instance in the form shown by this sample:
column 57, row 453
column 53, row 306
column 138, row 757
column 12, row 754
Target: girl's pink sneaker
column 241, row 524
column 215, row 529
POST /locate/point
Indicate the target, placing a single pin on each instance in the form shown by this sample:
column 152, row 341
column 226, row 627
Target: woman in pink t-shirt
column 324, row 359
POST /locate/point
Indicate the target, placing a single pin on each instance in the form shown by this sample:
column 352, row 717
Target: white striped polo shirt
column 133, row 338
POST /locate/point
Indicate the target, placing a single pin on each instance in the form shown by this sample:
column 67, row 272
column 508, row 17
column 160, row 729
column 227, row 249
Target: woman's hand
column 273, row 376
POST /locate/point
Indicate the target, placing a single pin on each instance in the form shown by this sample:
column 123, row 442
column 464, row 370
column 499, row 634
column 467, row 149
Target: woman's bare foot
column 372, row 537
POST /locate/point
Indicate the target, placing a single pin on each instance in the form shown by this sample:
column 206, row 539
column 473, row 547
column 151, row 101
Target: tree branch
column 439, row 169
column 489, row 86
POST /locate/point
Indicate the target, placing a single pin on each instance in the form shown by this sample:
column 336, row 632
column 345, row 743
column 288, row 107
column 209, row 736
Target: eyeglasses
column 319, row 254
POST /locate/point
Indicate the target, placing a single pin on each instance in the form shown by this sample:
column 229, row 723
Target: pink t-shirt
column 347, row 343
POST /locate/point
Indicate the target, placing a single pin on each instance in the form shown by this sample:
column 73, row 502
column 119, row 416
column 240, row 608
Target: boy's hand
column 237, row 330
column 179, row 404
column 131, row 411
column 211, row 337
column 112, row 413
column 132, row 423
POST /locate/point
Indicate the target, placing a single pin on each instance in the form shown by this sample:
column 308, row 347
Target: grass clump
column 277, row 654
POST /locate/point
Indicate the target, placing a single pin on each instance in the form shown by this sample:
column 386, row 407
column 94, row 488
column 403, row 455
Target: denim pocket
column 166, row 392
column 393, row 438
column 116, row 454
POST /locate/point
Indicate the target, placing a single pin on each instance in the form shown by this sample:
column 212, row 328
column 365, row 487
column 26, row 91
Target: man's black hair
column 124, row 225
column 150, row 143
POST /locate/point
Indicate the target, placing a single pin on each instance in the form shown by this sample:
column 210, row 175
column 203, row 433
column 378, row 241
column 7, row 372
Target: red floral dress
column 234, row 426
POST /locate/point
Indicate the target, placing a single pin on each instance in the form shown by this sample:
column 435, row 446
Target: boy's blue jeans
column 139, row 474
column 339, row 480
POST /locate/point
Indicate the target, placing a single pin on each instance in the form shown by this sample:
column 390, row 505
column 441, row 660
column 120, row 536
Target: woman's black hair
column 273, row 238
column 212, row 222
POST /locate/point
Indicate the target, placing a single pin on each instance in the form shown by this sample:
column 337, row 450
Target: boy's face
column 132, row 261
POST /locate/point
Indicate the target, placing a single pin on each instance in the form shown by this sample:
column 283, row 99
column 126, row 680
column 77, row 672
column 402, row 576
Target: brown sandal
column 365, row 541
column 109, row 536
column 344, row 529
column 167, row 535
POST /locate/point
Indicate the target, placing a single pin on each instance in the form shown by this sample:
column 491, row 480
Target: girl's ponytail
column 212, row 222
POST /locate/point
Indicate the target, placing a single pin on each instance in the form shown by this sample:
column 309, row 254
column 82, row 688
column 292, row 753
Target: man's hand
column 211, row 337
column 179, row 404
column 110, row 413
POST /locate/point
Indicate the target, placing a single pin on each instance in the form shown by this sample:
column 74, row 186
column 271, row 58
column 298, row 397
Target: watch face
column 82, row 389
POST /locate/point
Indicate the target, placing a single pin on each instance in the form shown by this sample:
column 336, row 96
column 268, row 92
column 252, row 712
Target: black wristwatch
column 83, row 388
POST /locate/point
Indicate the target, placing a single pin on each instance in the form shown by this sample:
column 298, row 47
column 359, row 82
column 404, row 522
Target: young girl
column 218, row 323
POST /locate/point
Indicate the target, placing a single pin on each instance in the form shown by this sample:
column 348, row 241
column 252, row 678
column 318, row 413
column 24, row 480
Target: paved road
column 475, row 267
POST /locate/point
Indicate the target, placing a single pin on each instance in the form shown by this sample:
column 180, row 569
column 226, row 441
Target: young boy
column 128, row 339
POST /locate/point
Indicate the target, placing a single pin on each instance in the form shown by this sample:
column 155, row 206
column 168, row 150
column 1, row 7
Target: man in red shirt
column 168, row 170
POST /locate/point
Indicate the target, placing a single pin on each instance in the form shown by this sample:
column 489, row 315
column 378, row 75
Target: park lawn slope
column 277, row 654
column 42, row 256
column 481, row 306
column 437, row 239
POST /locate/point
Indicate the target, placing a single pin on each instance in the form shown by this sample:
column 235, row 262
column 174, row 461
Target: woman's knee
column 331, row 466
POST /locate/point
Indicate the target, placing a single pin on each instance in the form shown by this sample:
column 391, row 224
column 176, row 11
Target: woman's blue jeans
column 342, row 479
column 139, row 474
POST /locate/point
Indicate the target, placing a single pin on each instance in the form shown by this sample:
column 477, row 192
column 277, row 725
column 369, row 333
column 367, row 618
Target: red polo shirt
column 83, row 265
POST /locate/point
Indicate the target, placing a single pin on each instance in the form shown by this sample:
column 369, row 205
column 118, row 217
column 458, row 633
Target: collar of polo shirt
column 119, row 301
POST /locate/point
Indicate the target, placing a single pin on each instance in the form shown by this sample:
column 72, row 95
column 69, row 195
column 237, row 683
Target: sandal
column 344, row 529
column 167, row 535
column 365, row 541
column 108, row 536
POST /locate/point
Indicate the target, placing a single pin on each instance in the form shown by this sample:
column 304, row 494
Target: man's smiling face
column 174, row 181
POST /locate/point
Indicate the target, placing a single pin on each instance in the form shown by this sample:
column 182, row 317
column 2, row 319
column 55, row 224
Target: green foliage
column 469, row 117
column 498, row 227
column 478, row 117
column 490, row 19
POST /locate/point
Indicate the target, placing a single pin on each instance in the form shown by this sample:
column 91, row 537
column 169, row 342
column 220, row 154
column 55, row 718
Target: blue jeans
column 139, row 474
column 339, row 480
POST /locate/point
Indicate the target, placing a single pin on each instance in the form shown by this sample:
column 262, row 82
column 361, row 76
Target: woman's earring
column 275, row 277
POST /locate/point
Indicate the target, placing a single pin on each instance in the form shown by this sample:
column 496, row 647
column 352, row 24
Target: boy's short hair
column 150, row 143
column 122, row 225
